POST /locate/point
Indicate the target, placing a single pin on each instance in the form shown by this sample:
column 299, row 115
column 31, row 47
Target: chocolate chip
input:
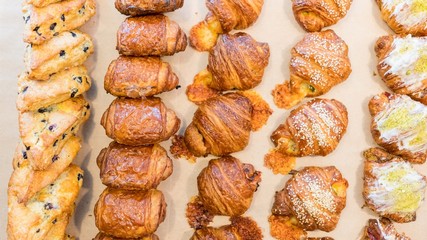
column 87, row 106
column 82, row 10
column 72, row 129
column 26, row 19
column 178, row 87
column 48, row 206
column 63, row 17
column 24, row 154
column 43, row 120
column 85, row 49
column 63, row 136
column 19, row 164
column 56, row 142
column 27, row 147
column 52, row 127
column 52, row 26
column 74, row 91
column 56, row 34
column 36, row 29
column 79, row 177
column 25, row 89
column 55, row 158
column 43, row 110
column 73, row 34
column 62, row 53
column 54, row 221
column 38, row 230
column 78, row 79
column 52, row 184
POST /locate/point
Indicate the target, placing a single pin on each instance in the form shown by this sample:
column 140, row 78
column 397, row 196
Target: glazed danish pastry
column 382, row 228
column 144, row 7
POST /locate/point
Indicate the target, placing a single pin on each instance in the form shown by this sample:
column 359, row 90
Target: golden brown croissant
column 224, row 16
column 318, row 63
column 399, row 125
column 315, row 196
column 236, row 62
column 138, row 122
column 405, row 17
column 129, row 214
column 102, row 236
column 402, row 65
column 137, row 77
column 150, row 35
column 383, row 228
column 392, row 187
column 313, row 15
column 144, row 7
column 134, row 167
column 241, row 228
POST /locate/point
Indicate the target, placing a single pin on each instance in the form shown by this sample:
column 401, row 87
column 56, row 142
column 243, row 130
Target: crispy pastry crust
column 102, row 236
column 383, row 228
column 42, row 3
column 144, row 7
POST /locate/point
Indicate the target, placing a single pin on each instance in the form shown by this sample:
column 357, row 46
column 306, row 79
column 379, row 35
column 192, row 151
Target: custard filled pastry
column 383, row 228
column 129, row 214
column 144, row 7
column 134, row 167
column 45, row 131
column 402, row 65
column 318, row 63
column 399, row 125
column 224, row 16
column 392, row 187
column 405, row 16
column 66, row 50
column 155, row 35
column 313, row 15
column 137, row 77
column 42, row 24
column 236, row 62
column 137, row 122
column 314, row 197
column 102, row 236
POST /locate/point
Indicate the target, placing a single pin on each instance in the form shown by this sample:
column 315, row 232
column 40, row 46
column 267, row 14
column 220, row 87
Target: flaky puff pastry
column 318, row 63
column 150, row 35
column 399, row 125
column 383, row 228
column 315, row 196
column 313, row 15
column 402, row 65
column 137, row 122
column 137, row 77
column 224, row 16
column 405, row 16
column 236, row 62
column 241, row 228
column 286, row 228
column 134, row 167
column 129, row 214
column 392, row 187
column 144, row 7
column 102, row 236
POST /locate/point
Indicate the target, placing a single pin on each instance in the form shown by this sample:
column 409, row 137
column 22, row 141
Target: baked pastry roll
column 41, row 3
column 314, row 196
column 318, row 63
column 236, row 62
column 134, row 168
column 399, row 125
column 138, row 122
column 392, row 187
column 383, row 228
column 129, row 214
column 61, row 86
column 224, row 16
column 144, row 7
column 313, row 15
column 45, row 131
column 137, row 77
column 160, row 36
column 36, row 218
column 42, row 24
column 405, row 17
column 102, row 236
column 402, row 65
column 68, row 49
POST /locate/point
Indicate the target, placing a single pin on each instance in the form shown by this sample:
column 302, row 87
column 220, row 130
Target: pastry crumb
column 282, row 228
column 179, row 150
column 197, row 215
column 261, row 110
column 199, row 90
column 279, row 163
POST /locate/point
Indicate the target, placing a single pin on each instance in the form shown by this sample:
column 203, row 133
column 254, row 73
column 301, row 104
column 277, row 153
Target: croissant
column 392, row 187
column 137, row 77
column 150, row 35
column 224, row 16
column 138, row 122
column 129, row 214
column 313, row 15
column 102, row 236
column 241, row 228
column 134, row 168
column 383, row 228
column 318, row 63
column 315, row 196
column 144, row 7
column 399, row 125
column 236, row 62
column 402, row 65
column 405, row 17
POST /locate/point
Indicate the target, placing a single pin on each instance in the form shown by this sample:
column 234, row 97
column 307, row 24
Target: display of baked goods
column 144, row 7
column 318, row 63
column 392, row 187
column 313, row 15
column 405, row 17
column 402, row 65
column 383, row 228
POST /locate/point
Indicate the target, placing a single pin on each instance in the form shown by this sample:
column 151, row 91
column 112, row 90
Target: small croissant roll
column 137, row 77
column 129, row 214
column 138, row 122
column 134, row 167
column 150, row 35
column 144, row 7
column 102, row 236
